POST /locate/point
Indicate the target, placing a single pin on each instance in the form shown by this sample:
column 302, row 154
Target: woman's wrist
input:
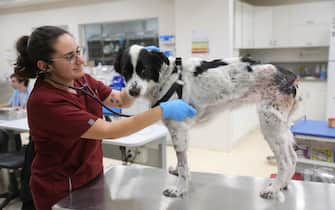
column 127, row 99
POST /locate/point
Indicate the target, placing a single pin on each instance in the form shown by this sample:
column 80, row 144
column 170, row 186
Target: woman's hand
column 177, row 110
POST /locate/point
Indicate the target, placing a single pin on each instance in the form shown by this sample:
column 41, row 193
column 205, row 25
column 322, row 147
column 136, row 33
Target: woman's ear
column 43, row 66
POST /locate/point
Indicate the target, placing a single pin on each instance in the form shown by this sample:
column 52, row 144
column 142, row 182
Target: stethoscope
column 86, row 90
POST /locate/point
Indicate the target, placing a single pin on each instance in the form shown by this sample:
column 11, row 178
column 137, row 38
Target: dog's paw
column 269, row 192
column 173, row 171
column 173, row 193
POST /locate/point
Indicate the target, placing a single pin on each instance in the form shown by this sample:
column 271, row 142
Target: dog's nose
column 134, row 91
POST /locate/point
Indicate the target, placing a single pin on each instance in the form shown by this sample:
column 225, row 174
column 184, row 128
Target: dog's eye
column 145, row 73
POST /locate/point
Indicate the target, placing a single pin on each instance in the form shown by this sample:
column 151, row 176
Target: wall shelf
column 316, row 162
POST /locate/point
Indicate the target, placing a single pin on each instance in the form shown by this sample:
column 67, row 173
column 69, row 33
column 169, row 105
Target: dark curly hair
column 20, row 79
column 37, row 46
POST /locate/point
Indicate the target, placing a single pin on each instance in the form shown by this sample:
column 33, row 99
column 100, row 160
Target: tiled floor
column 248, row 158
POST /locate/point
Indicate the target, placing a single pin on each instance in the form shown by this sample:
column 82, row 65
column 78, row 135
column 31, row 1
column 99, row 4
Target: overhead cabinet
column 310, row 23
column 263, row 27
column 297, row 25
column 244, row 25
column 275, row 20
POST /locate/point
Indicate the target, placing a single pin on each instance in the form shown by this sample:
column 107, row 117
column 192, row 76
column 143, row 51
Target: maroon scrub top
column 63, row 159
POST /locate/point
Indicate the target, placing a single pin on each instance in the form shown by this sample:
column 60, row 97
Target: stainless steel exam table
column 130, row 188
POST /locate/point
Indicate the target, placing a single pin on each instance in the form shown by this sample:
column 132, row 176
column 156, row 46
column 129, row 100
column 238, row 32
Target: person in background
column 20, row 94
column 65, row 117
column 18, row 100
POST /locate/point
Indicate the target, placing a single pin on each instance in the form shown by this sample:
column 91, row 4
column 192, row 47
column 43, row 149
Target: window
column 103, row 40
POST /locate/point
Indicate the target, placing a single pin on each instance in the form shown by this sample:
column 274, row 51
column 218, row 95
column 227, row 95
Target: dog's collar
column 177, row 87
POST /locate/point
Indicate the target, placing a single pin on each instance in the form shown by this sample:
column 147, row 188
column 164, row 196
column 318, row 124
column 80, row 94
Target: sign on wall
column 200, row 42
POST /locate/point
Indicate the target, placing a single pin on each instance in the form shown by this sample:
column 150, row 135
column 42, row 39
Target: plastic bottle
column 317, row 71
column 323, row 72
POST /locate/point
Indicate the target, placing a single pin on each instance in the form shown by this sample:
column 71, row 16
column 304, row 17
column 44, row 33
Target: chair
column 12, row 161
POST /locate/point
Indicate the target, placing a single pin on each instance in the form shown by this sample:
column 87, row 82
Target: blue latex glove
column 152, row 48
column 177, row 110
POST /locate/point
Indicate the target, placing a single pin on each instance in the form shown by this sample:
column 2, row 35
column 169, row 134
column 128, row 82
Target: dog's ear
column 162, row 57
column 118, row 60
column 248, row 59
column 122, row 64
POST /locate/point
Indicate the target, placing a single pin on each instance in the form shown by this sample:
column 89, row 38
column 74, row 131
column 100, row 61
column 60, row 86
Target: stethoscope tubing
column 92, row 95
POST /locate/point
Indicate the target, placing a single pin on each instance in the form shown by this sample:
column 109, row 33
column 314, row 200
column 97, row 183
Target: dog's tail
column 288, row 84
column 287, row 81
column 297, row 99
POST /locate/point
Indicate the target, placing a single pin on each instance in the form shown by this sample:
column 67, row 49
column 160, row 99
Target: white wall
column 213, row 17
column 17, row 24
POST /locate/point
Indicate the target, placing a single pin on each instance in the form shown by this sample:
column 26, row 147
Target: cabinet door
column 309, row 35
column 313, row 104
column 280, row 26
column 263, row 27
column 310, row 23
column 312, row 13
column 238, row 25
column 248, row 24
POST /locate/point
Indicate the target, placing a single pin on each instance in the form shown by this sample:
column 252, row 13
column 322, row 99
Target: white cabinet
column 271, row 27
column 312, row 13
column 248, row 25
column 280, row 26
column 263, row 27
column 309, row 35
column 238, row 25
column 313, row 104
column 310, row 23
column 293, row 25
column 243, row 25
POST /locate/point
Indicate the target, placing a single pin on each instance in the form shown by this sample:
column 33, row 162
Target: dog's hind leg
column 293, row 160
column 290, row 161
column 276, row 132
column 179, row 140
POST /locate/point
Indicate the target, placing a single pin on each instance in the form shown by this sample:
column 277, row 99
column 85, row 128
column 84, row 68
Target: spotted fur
column 213, row 86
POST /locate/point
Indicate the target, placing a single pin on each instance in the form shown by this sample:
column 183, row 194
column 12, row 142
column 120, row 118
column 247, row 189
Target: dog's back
column 235, row 83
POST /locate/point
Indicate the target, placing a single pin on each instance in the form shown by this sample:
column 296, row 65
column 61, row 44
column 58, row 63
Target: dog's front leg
column 183, row 177
column 179, row 140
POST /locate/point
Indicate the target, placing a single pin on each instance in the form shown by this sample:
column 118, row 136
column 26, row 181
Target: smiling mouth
column 78, row 69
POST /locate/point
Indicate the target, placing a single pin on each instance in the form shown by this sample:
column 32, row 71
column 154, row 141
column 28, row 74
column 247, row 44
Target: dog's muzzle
column 134, row 90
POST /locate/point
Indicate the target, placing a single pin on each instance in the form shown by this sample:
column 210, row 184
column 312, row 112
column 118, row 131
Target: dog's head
column 140, row 68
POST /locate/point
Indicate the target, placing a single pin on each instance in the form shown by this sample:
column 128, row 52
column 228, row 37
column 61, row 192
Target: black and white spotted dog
column 210, row 87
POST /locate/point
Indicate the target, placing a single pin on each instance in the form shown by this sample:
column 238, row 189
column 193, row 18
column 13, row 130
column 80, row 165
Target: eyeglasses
column 71, row 57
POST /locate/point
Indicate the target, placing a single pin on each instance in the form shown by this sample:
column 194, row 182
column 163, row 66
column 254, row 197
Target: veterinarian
column 65, row 116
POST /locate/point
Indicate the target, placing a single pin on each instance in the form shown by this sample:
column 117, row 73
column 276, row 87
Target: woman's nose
column 80, row 59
